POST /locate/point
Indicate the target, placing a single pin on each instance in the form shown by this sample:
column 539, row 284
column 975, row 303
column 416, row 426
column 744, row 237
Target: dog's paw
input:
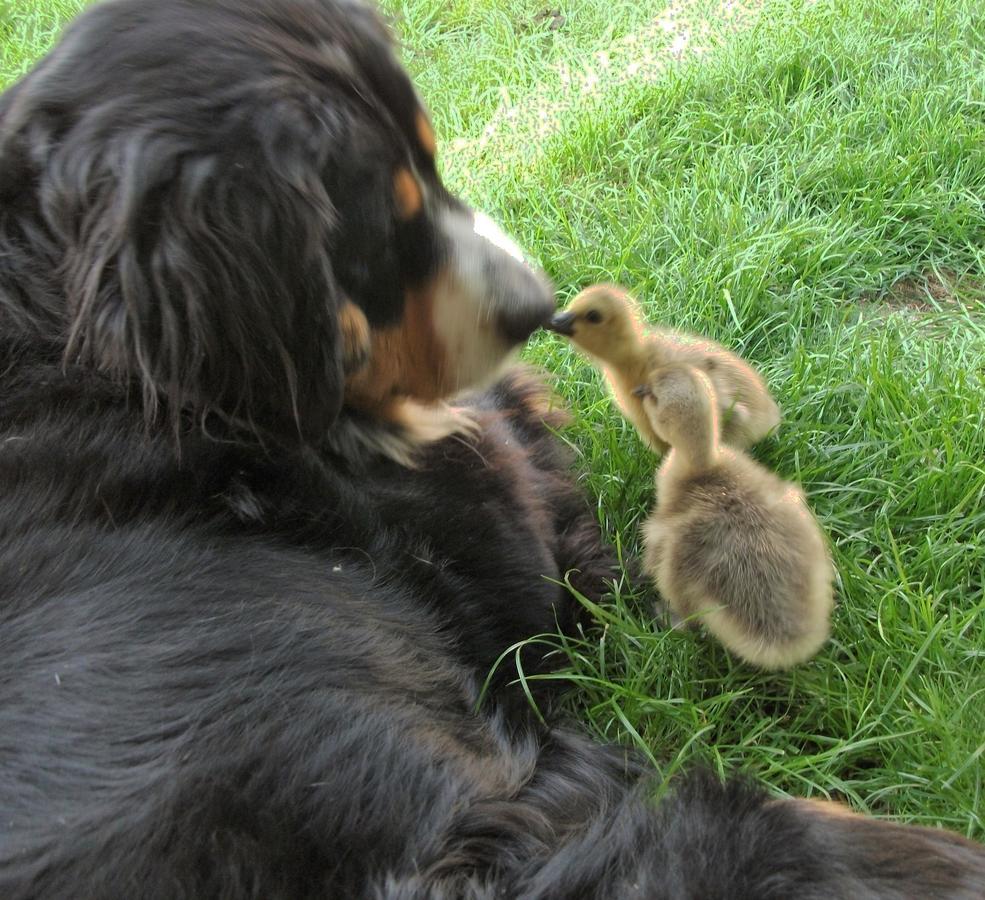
column 401, row 431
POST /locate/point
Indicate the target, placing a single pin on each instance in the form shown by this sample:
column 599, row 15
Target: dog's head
column 237, row 203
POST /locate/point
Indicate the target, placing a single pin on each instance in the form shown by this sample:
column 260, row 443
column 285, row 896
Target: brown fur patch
column 921, row 862
column 408, row 194
column 929, row 290
column 828, row 808
column 406, row 360
column 425, row 134
column 356, row 343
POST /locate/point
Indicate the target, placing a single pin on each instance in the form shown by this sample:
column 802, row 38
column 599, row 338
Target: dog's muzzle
column 521, row 295
column 528, row 309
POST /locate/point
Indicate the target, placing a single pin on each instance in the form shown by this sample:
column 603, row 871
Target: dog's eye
column 593, row 316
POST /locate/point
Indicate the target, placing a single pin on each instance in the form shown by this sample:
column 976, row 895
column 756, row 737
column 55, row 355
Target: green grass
column 768, row 190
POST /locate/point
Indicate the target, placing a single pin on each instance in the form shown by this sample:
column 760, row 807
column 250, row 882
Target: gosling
column 605, row 322
column 729, row 543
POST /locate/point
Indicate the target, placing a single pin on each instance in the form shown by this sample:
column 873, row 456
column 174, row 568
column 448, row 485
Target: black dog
column 242, row 639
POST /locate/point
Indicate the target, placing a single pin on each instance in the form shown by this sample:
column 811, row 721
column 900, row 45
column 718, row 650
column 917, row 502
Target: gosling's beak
column 562, row 323
column 641, row 390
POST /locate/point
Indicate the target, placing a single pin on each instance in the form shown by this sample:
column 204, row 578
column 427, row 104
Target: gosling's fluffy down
column 605, row 322
column 729, row 543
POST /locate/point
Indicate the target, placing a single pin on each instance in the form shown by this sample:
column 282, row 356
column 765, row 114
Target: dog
column 253, row 573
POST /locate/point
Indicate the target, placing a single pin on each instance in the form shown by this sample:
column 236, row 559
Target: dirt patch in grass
column 552, row 18
column 931, row 291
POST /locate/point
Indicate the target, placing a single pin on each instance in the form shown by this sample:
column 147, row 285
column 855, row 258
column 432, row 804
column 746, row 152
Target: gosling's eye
column 593, row 316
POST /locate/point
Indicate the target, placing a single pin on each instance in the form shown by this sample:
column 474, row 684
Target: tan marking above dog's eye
column 408, row 193
column 425, row 134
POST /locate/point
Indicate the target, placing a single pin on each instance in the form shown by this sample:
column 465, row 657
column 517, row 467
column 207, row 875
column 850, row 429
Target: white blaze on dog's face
column 485, row 227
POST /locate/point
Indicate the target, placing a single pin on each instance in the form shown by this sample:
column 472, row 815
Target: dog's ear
column 200, row 268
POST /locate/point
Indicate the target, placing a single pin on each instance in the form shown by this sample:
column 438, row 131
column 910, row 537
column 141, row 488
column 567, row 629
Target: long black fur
column 232, row 662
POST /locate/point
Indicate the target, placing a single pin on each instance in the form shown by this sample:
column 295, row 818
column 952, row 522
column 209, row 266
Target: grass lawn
column 804, row 181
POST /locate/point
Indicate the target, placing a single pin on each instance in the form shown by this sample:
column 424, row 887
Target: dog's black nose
column 562, row 323
column 528, row 307
column 518, row 324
